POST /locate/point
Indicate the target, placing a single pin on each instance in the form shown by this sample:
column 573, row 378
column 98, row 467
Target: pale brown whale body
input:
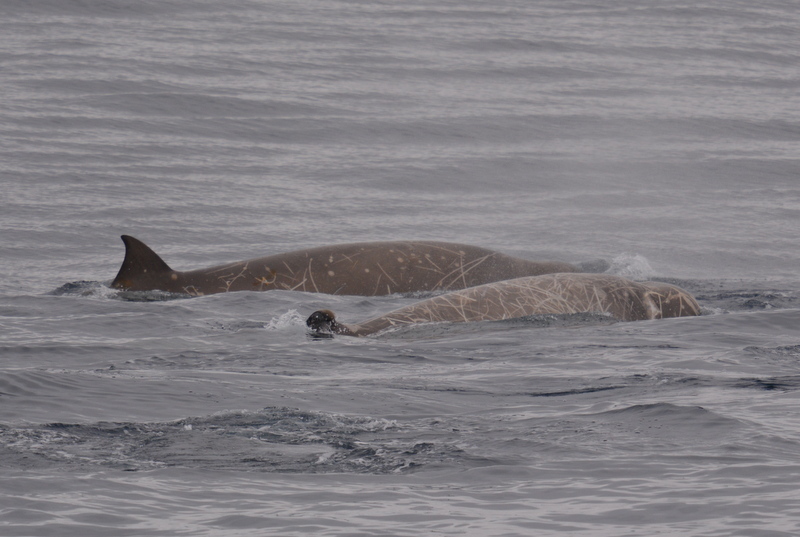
column 622, row 299
column 366, row 268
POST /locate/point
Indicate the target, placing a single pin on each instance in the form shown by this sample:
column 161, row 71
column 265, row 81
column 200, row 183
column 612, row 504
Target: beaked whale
column 365, row 268
column 622, row 299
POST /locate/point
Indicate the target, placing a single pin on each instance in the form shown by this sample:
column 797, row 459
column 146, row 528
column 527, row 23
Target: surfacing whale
column 622, row 299
column 365, row 268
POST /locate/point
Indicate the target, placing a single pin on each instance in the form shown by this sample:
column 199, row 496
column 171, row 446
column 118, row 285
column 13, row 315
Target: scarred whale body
column 619, row 297
column 366, row 268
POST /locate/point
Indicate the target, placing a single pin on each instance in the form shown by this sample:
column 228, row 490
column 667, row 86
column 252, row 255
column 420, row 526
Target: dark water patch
column 787, row 351
column 271, row 440
column 782, row 384
column 632, row 346
column 577, row 391
column 568, row 387
column 747, row 299
column 648, row 382
column 760, row 301
column 638, row 383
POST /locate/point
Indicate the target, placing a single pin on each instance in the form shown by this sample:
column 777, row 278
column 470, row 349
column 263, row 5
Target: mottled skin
column 621, row 298
column 367, row 269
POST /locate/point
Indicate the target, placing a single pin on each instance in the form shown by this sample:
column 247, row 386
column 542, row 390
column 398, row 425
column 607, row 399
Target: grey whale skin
column 364, row 268
column 623, row 299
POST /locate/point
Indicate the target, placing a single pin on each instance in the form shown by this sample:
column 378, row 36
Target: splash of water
column 633, row 266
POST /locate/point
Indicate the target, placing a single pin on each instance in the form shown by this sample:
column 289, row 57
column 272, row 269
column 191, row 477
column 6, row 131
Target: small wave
column 659, row 427
column 656, row 410
column 677, row 421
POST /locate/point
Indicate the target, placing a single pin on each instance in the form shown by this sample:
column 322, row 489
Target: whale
column 363, row 268
column 561, row 293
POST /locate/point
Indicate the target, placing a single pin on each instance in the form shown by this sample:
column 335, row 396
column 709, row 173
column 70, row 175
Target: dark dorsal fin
column 141, row 264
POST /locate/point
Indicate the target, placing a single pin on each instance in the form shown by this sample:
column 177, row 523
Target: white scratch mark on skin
column 654, row 303
column 348, row 258
column 430, row 260
column 263, row 281
column 298, row 286
column 311, row 275
column 461, row 272
column 192, row 290
column 229, row 279
column 435, row 270
column 551, row 294
column 229, row 267
column 387, row 275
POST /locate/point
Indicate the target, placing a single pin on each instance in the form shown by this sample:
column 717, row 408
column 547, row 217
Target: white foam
column 286, row 320
column 633, row 266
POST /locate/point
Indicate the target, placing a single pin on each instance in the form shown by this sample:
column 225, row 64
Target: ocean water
column 662, row 137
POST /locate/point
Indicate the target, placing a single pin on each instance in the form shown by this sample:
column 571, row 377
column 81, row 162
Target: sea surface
column 660, row 137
